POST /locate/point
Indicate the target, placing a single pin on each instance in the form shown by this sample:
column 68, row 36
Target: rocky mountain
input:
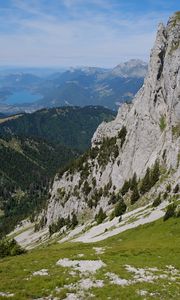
column 110, row 229
column 135, row 158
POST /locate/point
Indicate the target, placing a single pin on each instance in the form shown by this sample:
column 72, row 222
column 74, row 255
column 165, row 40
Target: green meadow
column 155, row 245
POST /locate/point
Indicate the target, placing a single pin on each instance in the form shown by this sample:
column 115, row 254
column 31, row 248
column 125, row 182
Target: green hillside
column 69, row 126
column 33, row 148
column 26, row 168
column 152, row 249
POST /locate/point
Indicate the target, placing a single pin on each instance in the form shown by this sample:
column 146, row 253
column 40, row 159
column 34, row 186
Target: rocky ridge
column 143, row 133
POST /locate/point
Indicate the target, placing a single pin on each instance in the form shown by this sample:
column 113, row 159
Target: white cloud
column 89, row 38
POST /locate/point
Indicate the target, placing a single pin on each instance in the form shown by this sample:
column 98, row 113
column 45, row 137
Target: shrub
column 133, row 182
column 146, row 182
column 54, row 227
column 162, row 123
column 122, row 135
column 120, row 209
column 168, row 188
column 86, row 188
column 100, row 216
column 10, row 248
column 176, row 189
column 150, row 178
column 74, row 221
column 165, row 195
column 135, row 195
column 125, row 188
column 170, row 212
column 157, row 201
column 155, row 174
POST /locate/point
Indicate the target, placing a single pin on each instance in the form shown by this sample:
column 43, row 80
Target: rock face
column 143, row 132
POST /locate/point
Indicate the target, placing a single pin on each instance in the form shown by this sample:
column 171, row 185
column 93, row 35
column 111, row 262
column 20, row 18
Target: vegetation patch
column 10, row 248
column 151, row 248
column 162, row 123
column 176, row 130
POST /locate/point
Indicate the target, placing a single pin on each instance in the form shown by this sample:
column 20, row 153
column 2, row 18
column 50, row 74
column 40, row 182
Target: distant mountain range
column 75, row 87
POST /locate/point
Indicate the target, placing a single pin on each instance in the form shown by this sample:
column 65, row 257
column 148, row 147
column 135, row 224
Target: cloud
column 70, row 32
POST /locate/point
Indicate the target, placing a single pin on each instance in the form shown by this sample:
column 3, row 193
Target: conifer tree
column 146, row 182
column 125, row 187
column 135, row 195
column 155, row 173
column 120, row 208
column 133, row 182
column 74, row 221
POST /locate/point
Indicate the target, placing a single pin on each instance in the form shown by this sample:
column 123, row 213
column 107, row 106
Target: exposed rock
column 151, row 124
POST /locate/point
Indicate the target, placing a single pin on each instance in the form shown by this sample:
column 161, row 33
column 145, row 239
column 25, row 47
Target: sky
column 63, row 33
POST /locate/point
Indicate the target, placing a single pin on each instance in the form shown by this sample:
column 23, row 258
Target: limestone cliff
column 142, row 133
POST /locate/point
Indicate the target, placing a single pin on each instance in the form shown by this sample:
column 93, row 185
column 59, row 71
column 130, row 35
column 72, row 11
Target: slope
column 139, row 263
column 69, row 126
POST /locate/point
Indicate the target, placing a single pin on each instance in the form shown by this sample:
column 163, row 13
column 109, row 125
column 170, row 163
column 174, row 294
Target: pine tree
column 122, row 135
column 133, row 182
column 146, row 182
column 155, row 173
column 135, row 195
column 125, row 187
column 74, row 221
column 100, row 216
column 120, row 208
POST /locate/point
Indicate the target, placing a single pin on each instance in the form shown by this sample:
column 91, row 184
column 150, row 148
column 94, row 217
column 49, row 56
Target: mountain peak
column 131, row 68
column 143, row 135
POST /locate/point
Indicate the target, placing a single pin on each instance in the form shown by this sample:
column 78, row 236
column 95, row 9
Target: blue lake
column 22, row 97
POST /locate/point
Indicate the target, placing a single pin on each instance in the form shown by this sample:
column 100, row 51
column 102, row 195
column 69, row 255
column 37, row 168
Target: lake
column 22, row 97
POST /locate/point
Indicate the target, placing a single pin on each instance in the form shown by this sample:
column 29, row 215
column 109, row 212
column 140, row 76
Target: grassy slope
column 152, row 245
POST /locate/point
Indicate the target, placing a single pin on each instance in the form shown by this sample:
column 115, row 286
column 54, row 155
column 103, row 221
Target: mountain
column 75, row 87
column 2, row 116
column 134, row 68
column 69, row 126
column 33, row 147
column 95, row 86
column 21, row 80
column 110, row 229
column 136, row 156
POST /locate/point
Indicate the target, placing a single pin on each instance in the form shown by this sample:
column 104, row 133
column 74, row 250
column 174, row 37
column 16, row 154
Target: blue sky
column 79, row 32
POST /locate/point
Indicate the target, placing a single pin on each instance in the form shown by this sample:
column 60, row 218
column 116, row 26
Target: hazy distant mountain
column 94, row 86
column 79, row 86
column 133, row 68
column 21, row 80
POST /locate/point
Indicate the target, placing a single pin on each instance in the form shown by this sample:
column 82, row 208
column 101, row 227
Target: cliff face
column 143, row 132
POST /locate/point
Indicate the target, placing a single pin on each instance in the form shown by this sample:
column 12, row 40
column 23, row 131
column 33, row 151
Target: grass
column 151, row 245
column 162, row 123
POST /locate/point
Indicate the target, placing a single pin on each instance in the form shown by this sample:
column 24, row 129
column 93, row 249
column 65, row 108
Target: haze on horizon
column 62, row 33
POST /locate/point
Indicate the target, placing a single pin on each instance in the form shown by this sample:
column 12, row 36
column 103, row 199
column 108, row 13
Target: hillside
column 70, row 126
column 134, row 158
column 110, row 227
column 137, row 264
column 131, row 172
column 33, row 147
column 26, row 168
